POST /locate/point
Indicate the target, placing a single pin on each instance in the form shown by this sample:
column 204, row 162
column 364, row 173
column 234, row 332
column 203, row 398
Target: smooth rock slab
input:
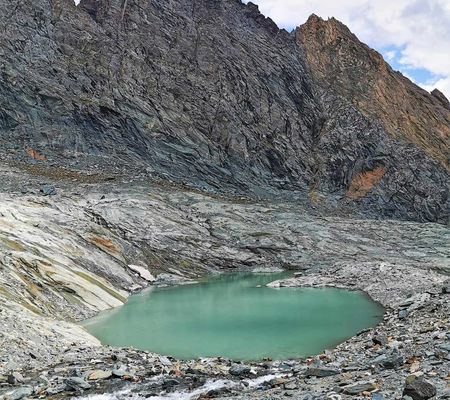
column 359, row 387
column 20, row 393
column 321, row 372
column 99, row 374
column 120, row 373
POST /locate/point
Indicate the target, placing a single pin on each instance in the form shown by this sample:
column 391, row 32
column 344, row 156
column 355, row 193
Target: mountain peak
column 340, row 62
column 330, row 28
column 441, row 97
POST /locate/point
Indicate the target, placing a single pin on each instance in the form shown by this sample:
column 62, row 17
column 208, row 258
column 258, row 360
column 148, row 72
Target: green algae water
column 235, row 316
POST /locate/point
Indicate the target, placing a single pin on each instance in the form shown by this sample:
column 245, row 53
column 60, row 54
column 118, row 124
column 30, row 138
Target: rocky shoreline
column 48, row 283
column 410, row 345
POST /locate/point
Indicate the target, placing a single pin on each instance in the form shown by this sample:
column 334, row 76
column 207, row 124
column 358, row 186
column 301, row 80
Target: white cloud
column 442, row 84
column 390, row 55
column 418, row 29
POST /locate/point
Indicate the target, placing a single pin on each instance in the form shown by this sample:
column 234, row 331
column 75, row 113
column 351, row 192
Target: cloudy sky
column 412, row 35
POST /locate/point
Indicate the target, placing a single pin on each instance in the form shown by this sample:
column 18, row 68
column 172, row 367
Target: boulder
column 418, row 388
column 446, row 287
column 15, row 378
column 381, row 340
column 239, row 369
column 48, row 190
column 120, row 373
column 165, row 361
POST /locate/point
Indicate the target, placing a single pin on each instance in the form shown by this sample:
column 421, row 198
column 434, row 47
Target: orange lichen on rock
column 34, row 154
column 103, row 243
column 363, row 183
column 314, row 197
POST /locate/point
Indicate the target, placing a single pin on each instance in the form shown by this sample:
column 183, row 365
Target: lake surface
column 232, row 316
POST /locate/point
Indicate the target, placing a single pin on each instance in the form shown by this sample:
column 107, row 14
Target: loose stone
column 418, row 388
column 359, row 387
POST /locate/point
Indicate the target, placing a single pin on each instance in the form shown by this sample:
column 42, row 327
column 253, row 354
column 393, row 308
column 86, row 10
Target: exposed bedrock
column 214, row 95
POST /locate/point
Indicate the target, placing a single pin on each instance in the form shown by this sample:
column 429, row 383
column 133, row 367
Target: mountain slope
column 211, row 94
column 341, row 63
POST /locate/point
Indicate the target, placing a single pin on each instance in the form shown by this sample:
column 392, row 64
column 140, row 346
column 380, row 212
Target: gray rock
column 20, row 393
column 381, row 340
column 76, row 383
column 170, row 383
column 266, row 270
column 52, row 391
column 321, row 372
column 389, row 361
column 418, row 388
column 290, row 386
column 48, row 190
column 165, row 361
column 446, row 287
column 99, row 375
column 170, row 280
column 444, row 346
column 358, row 388
column 120, row 373
column 144, row 273
column 15, row 378
column 239, row 369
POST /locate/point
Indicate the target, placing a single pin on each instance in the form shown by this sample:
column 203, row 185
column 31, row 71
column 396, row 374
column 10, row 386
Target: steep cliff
column 344, row 65
column 212, row 94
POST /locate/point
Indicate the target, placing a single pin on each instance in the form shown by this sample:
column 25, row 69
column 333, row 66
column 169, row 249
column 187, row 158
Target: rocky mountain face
column 213, row 95
column 173, row 139
column 340, row 63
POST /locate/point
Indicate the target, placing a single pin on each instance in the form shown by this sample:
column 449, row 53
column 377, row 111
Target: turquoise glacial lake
column 236, row 316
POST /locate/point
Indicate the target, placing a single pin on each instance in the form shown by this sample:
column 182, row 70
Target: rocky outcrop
column 441, row 97
column 342, row 64
column 213, row 95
